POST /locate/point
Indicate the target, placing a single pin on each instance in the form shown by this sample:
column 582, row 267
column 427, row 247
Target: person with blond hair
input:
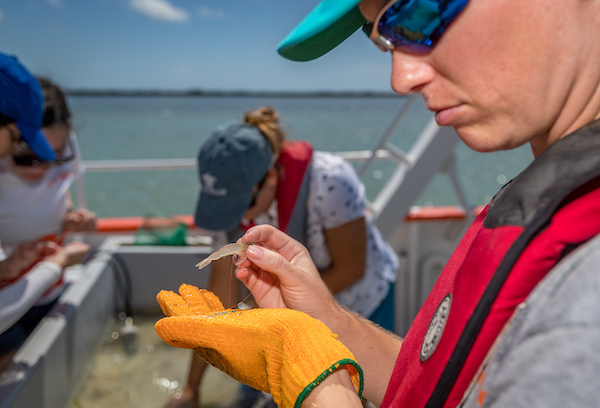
column 252, row 175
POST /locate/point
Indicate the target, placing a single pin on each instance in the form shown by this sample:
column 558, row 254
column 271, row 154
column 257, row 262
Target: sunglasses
column 20, row 143
column 413, row 25
column 31, row 160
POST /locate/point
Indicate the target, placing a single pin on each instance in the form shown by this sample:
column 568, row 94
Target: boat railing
column 102, row 166
column 432, row 152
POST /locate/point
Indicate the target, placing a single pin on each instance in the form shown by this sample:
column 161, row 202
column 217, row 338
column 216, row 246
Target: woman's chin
column 32, row 178
column 485, row 141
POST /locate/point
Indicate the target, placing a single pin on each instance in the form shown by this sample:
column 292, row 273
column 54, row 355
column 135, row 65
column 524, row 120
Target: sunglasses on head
column 413, row 25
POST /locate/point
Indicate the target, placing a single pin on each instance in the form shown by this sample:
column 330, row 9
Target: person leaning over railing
column 513, row 319
column 32, row 268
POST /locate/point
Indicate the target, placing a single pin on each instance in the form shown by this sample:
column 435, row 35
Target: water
column 175, row 127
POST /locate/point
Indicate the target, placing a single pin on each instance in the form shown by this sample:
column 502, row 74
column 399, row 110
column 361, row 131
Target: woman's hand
column 80, row 220
column 284, row 352
column 22, row 257
column 69, row 255
column 280, row 273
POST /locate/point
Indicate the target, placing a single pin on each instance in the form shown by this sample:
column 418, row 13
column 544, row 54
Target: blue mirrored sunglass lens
column 418, row 23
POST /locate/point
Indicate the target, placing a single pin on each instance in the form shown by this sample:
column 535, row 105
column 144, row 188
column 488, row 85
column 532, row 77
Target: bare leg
column 220, row 282
column 190, row 395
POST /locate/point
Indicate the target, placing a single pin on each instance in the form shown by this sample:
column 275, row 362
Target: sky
column 180, row 45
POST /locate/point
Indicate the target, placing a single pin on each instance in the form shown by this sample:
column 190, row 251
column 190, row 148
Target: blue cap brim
column 36, row 141
column 230, row 211
column 327, row 26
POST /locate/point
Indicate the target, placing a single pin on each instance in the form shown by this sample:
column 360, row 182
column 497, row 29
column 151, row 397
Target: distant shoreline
column 202, row 93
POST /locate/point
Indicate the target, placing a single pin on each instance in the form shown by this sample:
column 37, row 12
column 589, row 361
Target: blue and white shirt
column 337, row 196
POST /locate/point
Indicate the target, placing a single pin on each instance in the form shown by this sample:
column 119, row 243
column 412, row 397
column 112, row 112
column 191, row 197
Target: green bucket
column 161, row 231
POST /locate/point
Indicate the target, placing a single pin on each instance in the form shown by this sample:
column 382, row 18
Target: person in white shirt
column 35, row 211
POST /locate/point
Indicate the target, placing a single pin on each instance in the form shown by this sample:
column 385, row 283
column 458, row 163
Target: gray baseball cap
column 231, row 162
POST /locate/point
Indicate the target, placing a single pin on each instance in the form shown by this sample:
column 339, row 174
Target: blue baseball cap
column 21, row 99
column 231, row 162
column 327, row 26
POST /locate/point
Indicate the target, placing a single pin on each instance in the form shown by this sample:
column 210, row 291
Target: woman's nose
column 410, row 72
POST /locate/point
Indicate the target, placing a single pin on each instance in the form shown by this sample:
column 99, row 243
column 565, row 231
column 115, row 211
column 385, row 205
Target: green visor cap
column 327, row 26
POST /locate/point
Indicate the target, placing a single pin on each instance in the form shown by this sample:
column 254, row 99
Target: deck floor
column 149, row 377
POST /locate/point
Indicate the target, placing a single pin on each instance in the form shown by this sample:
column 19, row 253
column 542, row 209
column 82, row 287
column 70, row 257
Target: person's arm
column 340, row 206
column 21, row 258
column 335, row 391
column 374, row 348
column 17, row 298
column 347, row 245
column 281, row 274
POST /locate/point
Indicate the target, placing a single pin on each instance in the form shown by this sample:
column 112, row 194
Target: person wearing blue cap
column 512, row 320
column 21, row 110
column 251, row 175
column 24, row 280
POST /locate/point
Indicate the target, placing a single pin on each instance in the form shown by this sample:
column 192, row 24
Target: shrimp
column 229, row 249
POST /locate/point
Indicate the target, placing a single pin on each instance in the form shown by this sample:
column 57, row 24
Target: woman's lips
column 446, row 116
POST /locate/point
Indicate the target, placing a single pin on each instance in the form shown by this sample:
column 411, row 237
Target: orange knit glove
column 280, row 351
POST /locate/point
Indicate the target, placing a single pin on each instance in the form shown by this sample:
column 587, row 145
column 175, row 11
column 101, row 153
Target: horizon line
column 212, row 93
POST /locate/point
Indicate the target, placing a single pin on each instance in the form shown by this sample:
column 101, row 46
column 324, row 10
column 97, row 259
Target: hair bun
column 265, row 114
column 267, row 121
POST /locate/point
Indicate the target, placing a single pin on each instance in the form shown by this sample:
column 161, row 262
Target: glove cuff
column 356, row 375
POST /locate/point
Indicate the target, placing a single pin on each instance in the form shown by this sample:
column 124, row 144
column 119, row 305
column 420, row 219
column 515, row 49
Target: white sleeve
column 17, row 298
column 340, row 195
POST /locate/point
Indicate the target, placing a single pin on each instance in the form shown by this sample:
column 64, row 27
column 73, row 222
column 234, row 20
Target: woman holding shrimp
column 251, row 175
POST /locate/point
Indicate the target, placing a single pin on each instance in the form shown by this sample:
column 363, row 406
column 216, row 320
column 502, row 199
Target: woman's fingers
column 264, row 286
column 286, row 251
column 274, row 262
column 279, row 270
column 275, row 239
column 275, row 282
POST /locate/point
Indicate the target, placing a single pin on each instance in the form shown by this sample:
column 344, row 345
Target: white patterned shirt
column 337, row 196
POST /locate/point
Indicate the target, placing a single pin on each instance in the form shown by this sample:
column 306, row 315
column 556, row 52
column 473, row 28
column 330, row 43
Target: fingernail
column 254, row 252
